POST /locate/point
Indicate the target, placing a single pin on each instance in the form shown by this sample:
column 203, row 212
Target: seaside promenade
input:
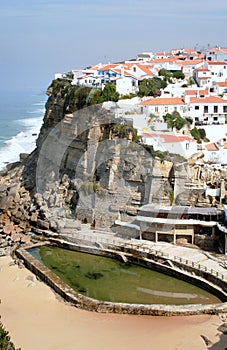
column 205, row 261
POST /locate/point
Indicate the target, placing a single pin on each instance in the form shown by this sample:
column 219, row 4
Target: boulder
column 223, row 328
column 8, row 229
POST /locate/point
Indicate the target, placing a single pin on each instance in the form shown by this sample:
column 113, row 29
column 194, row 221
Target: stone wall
column 90, row 304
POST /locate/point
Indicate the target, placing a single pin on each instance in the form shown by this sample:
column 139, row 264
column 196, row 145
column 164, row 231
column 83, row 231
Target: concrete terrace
column 205, row 261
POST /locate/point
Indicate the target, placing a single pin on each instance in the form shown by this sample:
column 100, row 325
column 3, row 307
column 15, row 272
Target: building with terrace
column 179, row 225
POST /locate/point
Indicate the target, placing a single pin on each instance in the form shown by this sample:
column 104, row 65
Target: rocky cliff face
column 89, row 167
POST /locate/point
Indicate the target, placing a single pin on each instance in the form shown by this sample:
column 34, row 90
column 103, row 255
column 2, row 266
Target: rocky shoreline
column 89, row 168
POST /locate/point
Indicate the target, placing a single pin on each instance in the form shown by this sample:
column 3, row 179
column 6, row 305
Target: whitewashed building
column 216, row 152
column 202, row 108
column 173, row 143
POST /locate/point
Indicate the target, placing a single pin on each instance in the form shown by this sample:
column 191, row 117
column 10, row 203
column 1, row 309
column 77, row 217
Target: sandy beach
column 38, row 319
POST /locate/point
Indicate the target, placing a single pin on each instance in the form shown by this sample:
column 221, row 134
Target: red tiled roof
column 145, row 69
column 212, row 147
column 216, row 63
column 170, row 138
column 163, row 101
column 189, row 62
column 208, row 99
column 108, row 66
column 218, row 49
column 161, row 60
column 202, row 69
column 222, row 83
column 195, row 92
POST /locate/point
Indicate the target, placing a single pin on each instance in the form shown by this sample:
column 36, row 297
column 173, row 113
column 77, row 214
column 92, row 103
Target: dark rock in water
column 94, row 275
column 223, row 328
column 206, row 340
column 23, row 156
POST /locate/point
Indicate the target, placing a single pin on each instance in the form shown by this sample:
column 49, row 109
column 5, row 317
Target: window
column 225, row 109
column 215, row 109
column 156, row 109
column 205, row 109
column 175, row 109
column 134, row 69
column 187, row 145
column 196, row 107
column 166, row 109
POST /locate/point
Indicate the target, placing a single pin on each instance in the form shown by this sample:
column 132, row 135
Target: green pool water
column 110, row 280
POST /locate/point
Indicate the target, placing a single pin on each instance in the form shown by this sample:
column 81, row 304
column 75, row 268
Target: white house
column 188, row 66
column 202, row 76
column 221, row 88
column 218, row 70
column 208, row 110
column 216, row 152
column 216, row 54
column 196, row 104
column 144, row 56
column 173, row 143
column 160, row 106
column 125, row 84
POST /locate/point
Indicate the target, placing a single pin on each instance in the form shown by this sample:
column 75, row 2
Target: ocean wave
column 23, row 142
column 37, row 111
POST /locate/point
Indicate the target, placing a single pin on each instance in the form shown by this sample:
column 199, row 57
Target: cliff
column 89, row 167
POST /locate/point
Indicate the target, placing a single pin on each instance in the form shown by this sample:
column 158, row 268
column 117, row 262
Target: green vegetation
column 126, row 97
column 172, row 157
column 5, row 342
column 171, row 196
column 174, row 120
column 151, row 87
column 78, row 97
column 168, row 75
column 178, row 75
column 70, row 75
column 89, row 187
column 109, row 93
column 125, row 131
column 199, row 135
column 189, row 120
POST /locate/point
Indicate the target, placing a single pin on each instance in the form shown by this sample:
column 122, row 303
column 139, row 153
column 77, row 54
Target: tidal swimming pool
column 108, row 279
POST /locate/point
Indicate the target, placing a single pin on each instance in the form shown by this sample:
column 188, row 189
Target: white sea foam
column 23, row 142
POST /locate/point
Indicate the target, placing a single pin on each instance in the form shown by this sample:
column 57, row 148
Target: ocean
column 21, row 115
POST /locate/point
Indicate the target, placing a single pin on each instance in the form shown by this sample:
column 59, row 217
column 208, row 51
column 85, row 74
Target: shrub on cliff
column 109, row 93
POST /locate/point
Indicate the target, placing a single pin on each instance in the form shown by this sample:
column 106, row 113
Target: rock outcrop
column 88, row 167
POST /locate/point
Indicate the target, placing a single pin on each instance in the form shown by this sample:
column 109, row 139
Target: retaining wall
column 90, row 304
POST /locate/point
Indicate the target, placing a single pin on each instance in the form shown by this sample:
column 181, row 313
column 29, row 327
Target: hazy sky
column 41, row 37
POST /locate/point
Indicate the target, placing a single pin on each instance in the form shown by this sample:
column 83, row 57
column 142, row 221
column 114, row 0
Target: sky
column 42, row 37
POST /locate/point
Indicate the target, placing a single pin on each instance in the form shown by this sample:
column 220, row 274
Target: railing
column 137, row 249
